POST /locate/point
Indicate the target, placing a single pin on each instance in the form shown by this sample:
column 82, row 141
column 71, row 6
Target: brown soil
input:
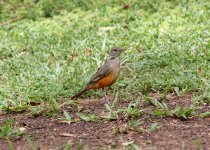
column 51, row 133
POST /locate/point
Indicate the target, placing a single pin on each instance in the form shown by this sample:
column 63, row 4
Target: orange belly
column 106, row 81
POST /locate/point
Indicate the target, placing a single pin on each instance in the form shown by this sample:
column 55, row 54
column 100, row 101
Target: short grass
column 52, row 50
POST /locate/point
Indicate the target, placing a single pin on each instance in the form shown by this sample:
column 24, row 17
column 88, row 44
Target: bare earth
column 46, row 133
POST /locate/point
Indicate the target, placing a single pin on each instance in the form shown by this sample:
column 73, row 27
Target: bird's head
column 115, row 51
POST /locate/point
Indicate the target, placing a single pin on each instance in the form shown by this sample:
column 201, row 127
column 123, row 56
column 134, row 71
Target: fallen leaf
column 22, row 129
column 106, row 19
column 126, row 6
column 106, row 28
column 74, row 56
column 65, row 121
column 89, row 52
column 67, row 135
column 127, row 143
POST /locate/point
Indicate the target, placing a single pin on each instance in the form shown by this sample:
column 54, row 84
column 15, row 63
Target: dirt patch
column 173, row 133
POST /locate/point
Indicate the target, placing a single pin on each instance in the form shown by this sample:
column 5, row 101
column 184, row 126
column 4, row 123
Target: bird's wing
column 101, row 73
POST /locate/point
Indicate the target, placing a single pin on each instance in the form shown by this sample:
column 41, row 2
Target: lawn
column 50, row 49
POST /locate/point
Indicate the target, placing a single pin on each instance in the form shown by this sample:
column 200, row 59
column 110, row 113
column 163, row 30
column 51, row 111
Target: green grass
column 9, row 130
column 45, row 56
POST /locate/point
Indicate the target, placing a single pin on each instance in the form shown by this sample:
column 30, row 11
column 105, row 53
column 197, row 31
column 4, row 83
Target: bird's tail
column 80, row 93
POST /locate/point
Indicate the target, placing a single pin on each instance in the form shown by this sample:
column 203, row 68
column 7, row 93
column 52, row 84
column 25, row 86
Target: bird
column 106, row 75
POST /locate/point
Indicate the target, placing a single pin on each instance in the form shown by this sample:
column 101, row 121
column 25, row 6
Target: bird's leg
column 105, row 96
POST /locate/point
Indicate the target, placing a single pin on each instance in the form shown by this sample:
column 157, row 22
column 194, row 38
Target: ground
column 49, row 49
column 172, row 133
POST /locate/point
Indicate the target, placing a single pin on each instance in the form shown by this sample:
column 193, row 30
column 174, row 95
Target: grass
column 51, row 58
column 52, row 49
column 8, row 130
column 87, row 117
